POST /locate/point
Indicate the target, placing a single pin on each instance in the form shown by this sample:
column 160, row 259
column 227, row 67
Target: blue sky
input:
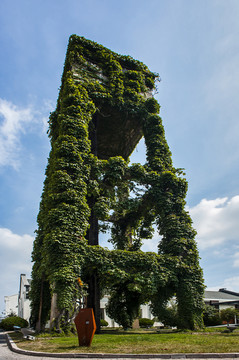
column 194, row 47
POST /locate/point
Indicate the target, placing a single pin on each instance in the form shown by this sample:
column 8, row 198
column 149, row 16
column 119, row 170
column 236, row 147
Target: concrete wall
column 11, row 304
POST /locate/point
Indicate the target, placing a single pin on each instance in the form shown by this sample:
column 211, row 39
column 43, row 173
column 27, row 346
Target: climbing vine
column 88, row 178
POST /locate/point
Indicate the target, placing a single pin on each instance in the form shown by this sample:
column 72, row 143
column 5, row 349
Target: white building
column 145, row 312
column 103, row 315
column 11, row 304
column 24, row 310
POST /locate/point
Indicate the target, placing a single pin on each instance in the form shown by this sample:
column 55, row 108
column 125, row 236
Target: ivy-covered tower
column 104, row 108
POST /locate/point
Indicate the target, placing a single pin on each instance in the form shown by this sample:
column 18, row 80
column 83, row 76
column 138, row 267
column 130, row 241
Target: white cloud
column 15, row 259
column 216, row 221
column 15, row 252
column 11, row 241
column 15, row 121
column 231, row 283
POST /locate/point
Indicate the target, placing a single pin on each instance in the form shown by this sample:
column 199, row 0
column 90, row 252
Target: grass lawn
column 137, row 343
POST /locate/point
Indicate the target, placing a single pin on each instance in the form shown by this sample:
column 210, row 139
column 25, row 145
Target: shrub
column 169, row 315
column 9, row 322
column 146, row 323
column 211, row 316
column 228, row 314
column 103, row 322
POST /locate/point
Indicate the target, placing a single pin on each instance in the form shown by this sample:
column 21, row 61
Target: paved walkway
column 11, row 352
column 7, row 354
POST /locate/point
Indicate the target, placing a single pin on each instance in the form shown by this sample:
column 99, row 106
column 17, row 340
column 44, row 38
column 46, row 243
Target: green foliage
column 211, row 316
column 152, row 106
column 228, row 314
column 97, row 84
column 168, row 315
column 123, row 305
column 103, row 322
column 39, row 287
column 146, row 323
column 8, row 323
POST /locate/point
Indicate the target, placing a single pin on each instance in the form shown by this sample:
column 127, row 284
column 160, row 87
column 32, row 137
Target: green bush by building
column 146, row 323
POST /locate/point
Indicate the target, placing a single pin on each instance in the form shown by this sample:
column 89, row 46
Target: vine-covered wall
column 105, row 106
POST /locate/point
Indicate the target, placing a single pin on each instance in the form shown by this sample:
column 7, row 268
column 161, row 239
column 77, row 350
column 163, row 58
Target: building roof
column 220, row 296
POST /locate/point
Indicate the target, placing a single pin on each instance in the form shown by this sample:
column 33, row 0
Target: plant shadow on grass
column 135, row 332
column 72, row 347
